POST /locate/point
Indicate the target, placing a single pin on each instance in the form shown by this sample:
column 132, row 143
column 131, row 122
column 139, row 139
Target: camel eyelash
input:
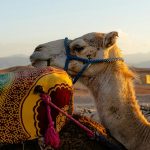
column 78, row 48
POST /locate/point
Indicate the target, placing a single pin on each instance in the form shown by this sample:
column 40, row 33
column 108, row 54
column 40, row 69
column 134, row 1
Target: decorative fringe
column 51, row 135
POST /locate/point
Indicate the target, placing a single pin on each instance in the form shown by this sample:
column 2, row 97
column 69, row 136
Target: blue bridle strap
column 86, row 61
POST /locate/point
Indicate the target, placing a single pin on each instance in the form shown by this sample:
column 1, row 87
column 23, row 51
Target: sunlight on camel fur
column 110, row 83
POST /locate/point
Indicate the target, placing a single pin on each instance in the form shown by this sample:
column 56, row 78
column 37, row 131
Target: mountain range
column 141, row 60
column 16, row 60
column 138, row 60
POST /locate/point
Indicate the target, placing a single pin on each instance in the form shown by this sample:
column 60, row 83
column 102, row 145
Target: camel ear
column 110, row 39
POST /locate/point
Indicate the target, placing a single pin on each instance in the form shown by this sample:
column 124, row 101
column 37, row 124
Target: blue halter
column 86, row 61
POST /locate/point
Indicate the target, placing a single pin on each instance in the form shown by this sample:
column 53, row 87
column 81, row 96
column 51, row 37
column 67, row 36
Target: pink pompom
column 52, row 137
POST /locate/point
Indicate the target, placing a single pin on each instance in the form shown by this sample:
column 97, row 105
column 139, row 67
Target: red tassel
column 51, row 136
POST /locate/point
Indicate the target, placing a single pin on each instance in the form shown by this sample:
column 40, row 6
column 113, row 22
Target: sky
column 24, row 24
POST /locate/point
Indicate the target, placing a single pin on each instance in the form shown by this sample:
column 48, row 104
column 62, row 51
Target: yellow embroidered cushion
column 22, row 113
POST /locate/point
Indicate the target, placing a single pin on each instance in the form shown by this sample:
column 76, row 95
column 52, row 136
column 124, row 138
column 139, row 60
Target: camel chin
column 39, row 63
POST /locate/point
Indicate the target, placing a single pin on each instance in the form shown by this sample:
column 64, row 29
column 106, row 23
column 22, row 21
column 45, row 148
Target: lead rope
column 47, row 99
column 51, row 136
column 89, row 132
column 53, row 139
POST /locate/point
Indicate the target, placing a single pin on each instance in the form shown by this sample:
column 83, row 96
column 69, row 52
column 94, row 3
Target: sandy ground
column 84, row 102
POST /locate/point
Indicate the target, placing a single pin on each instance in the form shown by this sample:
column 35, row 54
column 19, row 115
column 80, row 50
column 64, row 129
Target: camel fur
column 110, row 83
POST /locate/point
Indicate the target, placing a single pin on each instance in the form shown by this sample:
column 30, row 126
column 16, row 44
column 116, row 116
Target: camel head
column 89, row 46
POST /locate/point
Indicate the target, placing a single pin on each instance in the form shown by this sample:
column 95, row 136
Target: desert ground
column 84, row 102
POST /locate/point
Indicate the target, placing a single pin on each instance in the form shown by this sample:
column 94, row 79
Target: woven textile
column 22, row 113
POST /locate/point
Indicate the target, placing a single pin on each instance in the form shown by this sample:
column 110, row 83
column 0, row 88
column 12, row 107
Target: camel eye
column 78, row 48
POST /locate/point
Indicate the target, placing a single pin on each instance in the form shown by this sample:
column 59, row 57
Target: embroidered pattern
column 15, row 89
column 61, row 95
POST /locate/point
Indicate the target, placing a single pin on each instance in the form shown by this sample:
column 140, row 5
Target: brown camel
column 111, row 84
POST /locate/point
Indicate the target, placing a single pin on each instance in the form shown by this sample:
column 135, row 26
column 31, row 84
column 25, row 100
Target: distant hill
column 145, row 64
column 16, row 60
column 137, row 60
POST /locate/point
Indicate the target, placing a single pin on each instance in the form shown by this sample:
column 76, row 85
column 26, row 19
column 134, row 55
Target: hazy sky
column 26, row 23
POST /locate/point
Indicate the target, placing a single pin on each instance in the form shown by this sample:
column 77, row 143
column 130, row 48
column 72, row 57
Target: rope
column 86, row 61
column 95, row 136
column 51, row 135
column 90, row 133
column 80, row 72
column 46, row 98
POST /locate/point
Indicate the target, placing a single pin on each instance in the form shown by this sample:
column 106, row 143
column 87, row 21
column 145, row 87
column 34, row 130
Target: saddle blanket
column 22, row 113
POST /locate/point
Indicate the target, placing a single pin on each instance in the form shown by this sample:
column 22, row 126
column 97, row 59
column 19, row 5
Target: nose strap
column 80, row 72
column 67, row 54
column 70, row 57
column 85, row 61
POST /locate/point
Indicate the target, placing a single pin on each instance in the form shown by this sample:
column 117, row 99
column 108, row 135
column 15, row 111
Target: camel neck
column 117, row 106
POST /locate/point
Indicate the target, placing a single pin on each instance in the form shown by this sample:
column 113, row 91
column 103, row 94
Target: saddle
column 22, row 113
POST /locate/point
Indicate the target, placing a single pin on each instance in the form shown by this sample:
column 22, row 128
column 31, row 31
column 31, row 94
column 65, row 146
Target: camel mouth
column 39, row 63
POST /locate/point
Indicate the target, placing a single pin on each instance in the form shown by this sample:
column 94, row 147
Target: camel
column 19, row 104
column 111, row 84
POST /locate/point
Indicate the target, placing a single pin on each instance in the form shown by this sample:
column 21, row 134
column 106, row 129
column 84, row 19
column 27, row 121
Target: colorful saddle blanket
column 22, row 113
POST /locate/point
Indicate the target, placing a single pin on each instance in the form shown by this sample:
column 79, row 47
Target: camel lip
column 39, row 63
column 37, row 60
